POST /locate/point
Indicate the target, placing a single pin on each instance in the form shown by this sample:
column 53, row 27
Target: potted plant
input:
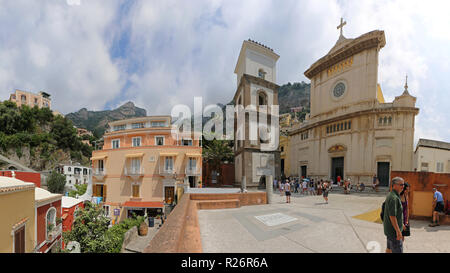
column 58, row 220
column 143, row 229
column 49, row 230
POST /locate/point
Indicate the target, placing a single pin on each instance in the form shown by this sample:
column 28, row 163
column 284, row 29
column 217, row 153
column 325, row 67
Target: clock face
column 339, row 90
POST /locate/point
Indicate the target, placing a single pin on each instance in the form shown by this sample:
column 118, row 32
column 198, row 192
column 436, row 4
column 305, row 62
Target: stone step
column 218, row 204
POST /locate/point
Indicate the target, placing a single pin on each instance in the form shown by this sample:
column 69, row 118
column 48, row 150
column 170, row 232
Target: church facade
column 351, row 131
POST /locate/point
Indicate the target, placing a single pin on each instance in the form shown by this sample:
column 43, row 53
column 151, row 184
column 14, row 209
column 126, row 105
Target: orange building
column 141, row 166
column 40, row 100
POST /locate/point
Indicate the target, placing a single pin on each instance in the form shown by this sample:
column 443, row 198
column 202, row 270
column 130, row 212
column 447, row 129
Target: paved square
column 275, row 219
column 308, row 225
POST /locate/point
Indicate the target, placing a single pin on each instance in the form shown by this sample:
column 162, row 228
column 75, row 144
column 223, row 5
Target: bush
column 56, row 182
column 80, row 190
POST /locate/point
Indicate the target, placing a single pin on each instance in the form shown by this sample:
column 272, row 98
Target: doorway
column 303, row 171
column 191, row 181
column 383, row 172
column 19, row 240
column 169, row 195
column 282, row 165
column 337, row 168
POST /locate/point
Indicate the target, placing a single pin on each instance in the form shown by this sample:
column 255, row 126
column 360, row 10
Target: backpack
column 382, row 211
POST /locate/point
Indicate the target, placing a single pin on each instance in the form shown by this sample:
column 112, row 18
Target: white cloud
column 175, row 50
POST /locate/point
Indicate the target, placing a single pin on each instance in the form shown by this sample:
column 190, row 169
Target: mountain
column 293, row 95
column 96, row 121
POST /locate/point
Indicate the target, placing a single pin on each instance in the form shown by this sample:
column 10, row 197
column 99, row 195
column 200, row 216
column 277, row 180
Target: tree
column 56, row 182
column 80, row 190
column 217, row 151
column 90, row 229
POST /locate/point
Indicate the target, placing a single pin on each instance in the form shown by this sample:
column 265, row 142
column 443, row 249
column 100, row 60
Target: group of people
column 304, row 186
column 395, row 214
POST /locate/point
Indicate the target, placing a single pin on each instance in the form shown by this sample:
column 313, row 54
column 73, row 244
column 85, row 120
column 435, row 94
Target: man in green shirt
column 393, row 217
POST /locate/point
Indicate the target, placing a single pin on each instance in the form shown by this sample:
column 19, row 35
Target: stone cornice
column 355, row 114
column 246, row 78
column 369, row 40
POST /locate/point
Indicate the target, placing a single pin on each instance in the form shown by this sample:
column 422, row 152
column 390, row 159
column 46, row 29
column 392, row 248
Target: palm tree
column 215, row 152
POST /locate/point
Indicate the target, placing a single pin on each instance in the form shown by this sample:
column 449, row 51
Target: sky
column 99, row 54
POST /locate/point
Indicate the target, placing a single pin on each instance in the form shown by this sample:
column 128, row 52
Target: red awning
column 133, row 204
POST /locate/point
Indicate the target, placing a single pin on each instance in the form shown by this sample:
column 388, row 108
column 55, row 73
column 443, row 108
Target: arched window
column 389, row 120
column 240, row 100
column 23, row 98
column 50, row 220
column 261, row 74
column 385, row 121
column 262, row 98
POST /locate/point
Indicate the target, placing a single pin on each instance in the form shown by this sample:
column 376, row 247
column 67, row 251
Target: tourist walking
column 375, row 183
column 281, row 187
column 393, row 217
column 275, row 184
column 304, row 186
column 325, row 190
column 287, row 189
column 311, row 187
column 438, row 207
column 404, row 197
column 347, row 186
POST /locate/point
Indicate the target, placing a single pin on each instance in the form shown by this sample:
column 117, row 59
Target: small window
column 328, row 129
column 116, row 144
column 159, row 141
column 187, row 142
column 135, row 189
column 69, row 169
column 345, row 125
column 119, row 127
column 168, row 163
column 158, row 124
column 385, row 121
column 262, row 99
column 380, row 121
column 390, row 120
column 137, row 125
column 23, row 98
column 106, row 210
column 349, row 125
column 136, row 141
column 282, row 148
column 262, row 74
column 334, row 128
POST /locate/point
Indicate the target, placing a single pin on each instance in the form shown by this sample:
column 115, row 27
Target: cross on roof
column 341, row 26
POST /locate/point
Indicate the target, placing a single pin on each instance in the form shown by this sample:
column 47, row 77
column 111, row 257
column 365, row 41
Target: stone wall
column 181, row 231
column 421, row 184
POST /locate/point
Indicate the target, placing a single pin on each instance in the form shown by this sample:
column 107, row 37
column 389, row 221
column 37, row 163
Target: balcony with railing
column 99, row 173
column 53, row 232
column 134, row 172
column 192, row 171
column 166, row 171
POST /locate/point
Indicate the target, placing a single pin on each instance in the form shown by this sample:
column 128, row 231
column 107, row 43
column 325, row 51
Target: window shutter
column 104, row 193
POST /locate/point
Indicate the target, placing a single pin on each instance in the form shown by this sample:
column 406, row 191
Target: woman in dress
column 325, row 190
column 404, row 197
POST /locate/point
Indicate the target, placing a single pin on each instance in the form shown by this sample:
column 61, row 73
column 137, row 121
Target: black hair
column 404, row 188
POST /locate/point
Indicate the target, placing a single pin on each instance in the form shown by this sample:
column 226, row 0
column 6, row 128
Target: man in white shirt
column 305, row 186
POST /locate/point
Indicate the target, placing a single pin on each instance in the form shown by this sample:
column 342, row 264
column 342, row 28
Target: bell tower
column 256, row 103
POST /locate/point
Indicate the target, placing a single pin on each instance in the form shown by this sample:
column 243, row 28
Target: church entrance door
column 383, row 169
column 303, row 172
column 337, row 168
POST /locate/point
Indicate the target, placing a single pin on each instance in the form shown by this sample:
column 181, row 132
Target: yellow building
column 17, row 216
column 40, row 100
column 284, row 155
column 141, row 166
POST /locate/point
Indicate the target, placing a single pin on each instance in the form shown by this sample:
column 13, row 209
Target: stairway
column 368, row 191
